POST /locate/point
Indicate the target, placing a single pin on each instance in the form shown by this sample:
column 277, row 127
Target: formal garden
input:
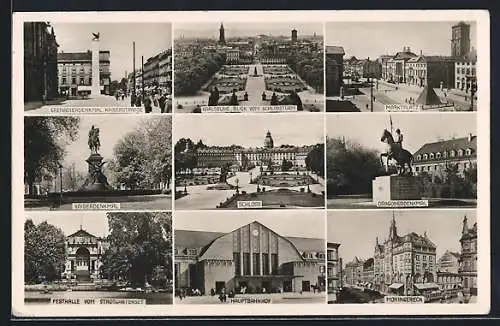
column 227, row 84
column 285, row 84
column 284, row 179
column 233, row 70
column 280, row 198
column 277, row 70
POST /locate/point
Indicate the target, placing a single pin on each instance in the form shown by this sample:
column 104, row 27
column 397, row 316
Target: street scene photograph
column 279, row 66
column 248, row 257
column 401, row 160
column 249, row 162
column 72, row 66
column 402, row 256
column 113, row 161
column 401, row 66
column 81, row 258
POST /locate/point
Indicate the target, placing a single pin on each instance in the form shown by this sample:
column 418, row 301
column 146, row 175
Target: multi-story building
column 334, row 69
column 334, row 270
column 448, row 278
column 84, row 254
column 252, row 257
column 233, row 55
column 40, row 62
column 397, row 65
column 434, row 71
column 219, row 156
column 404, row 264
column 368, row 271
column 353, row 271
column 465, row 72
column 384, row 60
column 460, row 40
column 468, row 257
column 436, row 158
column 75, row 72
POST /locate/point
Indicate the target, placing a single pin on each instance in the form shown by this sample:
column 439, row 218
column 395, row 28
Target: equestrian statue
column 94, row 142
column 396, row 152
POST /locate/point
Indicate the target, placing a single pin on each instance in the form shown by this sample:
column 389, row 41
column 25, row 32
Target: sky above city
column 150, row 39
column 373, row 39
column 292, row 223
column 240, row 29
column 356, row 230
column 417, row 128
column 111, row 129
column 95, row 223
column 250, row 130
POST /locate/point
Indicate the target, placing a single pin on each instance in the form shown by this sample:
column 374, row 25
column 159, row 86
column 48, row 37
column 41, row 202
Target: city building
column 435, row 158
column 75, row 72
column 465, row 72
column 334, row 270
column 397, row 65
column 233, row 56
column 468, row 257
column 353, row 272
column 84, row 256
column 158, row 71
column 448, row 278
column 404, row 264
column 460, row 40
column 252, row 257
column 214, row 156
column 383, row 60
column 371, row 68
column 40, row 62
column 368, row 271
column 334, row 69
column 434, row 71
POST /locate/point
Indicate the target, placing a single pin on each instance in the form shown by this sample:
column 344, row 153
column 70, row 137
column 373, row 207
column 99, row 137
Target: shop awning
column 426, row 286
column 395, row 286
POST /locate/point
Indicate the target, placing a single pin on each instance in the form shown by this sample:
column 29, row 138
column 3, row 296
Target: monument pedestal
column 96, row 180
column 395, row 187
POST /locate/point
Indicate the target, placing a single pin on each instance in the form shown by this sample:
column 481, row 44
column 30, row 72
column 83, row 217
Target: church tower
column 222, row 37
column 268, row 141
column 393, row 231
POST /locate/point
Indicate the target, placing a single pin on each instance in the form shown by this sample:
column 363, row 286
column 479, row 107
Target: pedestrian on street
column 147, row 104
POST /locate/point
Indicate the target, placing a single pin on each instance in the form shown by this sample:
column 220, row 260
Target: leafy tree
column 142, row 158
column 45, row 139
column 139, row 244
column 350, row 167
column 286, row 165
column 72, row 179
column 184, row 155
column 315, row 160
column 44, row 251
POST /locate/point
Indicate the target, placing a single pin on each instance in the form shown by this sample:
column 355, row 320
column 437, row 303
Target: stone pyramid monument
column 428, row 97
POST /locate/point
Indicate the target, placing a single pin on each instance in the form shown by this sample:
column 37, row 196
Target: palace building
column 435, row 158
column 468, row 257
column 253, row 258
column 84, row 254
column 214, row 156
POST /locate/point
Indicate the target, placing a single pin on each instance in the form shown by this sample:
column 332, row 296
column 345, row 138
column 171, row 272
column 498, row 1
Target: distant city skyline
column 150, row 39
column 373, row 39
column 417, row 129
column 95, row 223
column 232, row 29
column 356, row 231
column 250, row 130
column 292, row 223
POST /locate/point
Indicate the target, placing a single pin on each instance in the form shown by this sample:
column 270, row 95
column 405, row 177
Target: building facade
column 460, row 40
column 468, row 257
column 353, row 272
column 404, row 264
column 250, row 259
column 84, row 254
column 397, row 66
column 158, row 71
column 434, row 71
column 294, row 35
column 334, row 270
column 236, row 155
column 334, row 70
column 448, row 278
column 435, row 158
column 40, row 62
column 465, row 73
column 75, row 72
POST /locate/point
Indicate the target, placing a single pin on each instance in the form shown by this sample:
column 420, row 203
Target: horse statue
column 401, row 155
column 94, row 142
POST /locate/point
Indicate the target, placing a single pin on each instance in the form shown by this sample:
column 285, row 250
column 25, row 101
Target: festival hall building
column 214, row 156
column 252, row 257
column 84, row 254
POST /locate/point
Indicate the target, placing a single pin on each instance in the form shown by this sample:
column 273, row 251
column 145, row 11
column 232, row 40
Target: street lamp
column 60, row 184
column 237, row 189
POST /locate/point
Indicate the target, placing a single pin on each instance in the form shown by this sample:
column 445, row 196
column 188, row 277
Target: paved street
column 280, row 298
column 255, row 86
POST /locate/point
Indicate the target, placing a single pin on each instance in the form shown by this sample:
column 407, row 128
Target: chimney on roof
column 420, row 51
column 469, row 137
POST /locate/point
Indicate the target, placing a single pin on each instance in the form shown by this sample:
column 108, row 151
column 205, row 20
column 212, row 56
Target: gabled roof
column 194, row 239
column 330, row 49
column 308, row 244
column 447, row 145
column 418, row 240
column 81, row 233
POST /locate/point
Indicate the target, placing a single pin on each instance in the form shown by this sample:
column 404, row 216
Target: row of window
column 467, row 71
column 445, row 154
column 436, row 167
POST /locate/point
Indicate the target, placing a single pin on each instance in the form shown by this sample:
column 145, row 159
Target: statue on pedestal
column 96, row 180
column 396, row 152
